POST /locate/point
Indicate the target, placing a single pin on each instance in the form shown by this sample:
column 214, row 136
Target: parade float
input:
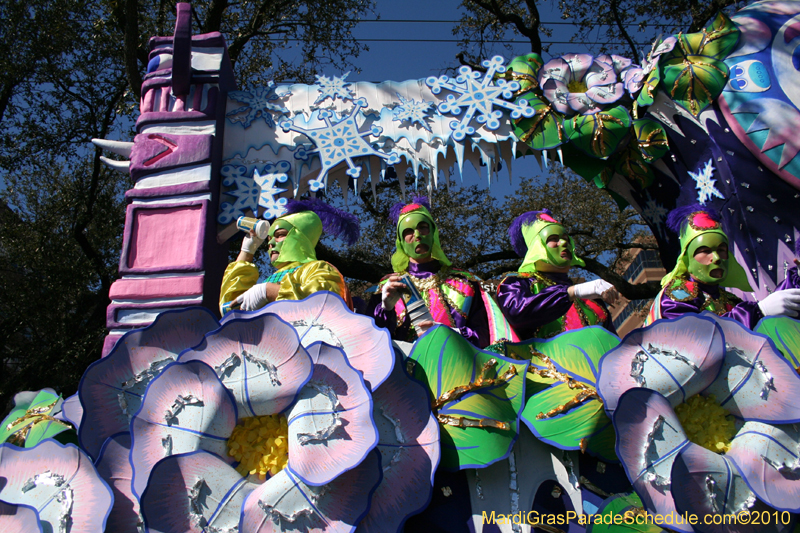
column 304, row 416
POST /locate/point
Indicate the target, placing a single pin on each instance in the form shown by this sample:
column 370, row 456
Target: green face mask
column 713, row 249
column 422, row 228
column 557, row 233
column 274, row 244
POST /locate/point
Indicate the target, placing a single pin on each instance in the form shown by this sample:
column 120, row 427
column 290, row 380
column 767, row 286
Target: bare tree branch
column 214, row 16
column 614, row 6
column 487, row 258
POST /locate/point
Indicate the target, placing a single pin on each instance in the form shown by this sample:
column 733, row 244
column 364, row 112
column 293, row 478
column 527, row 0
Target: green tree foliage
column 71, row 71
column 625, row 23
column 624, row 20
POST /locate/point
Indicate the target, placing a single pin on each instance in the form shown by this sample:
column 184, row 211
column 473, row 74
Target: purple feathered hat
column 334, row 221
column 418, row 203
column 526, row 219
column 699, row 217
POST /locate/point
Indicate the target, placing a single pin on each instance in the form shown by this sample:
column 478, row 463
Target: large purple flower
column 52, row 487
column 580, row 83
column 216, row 424
column 662, row 369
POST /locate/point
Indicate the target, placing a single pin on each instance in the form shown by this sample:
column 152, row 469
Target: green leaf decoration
column 444, row 360
column 586, row 167
column 625, row 507
column 544, row 130
column 651, row 138
column 631, row 164
column 563, row 408
column 31, row 420
column 716, row 40
column 524, row 69
column 598, row 171
column 601, row 134
column 648, row 92
column 785, row 333
column 722, row 36
column 694, row 81
column 603, row 178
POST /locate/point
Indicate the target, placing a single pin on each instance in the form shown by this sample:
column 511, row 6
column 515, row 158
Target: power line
column 460, row 40
column 544, row 22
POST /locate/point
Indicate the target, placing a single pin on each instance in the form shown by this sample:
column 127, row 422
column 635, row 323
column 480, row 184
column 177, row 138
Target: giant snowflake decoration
column 340, row 141
column 258, row 104
column 479, row 97
column 705, row 184
column 412, row 111
column 252, row 192
column 333, row 87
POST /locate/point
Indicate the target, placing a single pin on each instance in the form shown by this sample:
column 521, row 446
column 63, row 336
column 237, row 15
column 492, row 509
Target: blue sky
column 409, row 60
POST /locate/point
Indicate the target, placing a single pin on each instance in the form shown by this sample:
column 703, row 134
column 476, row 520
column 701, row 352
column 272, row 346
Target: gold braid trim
column 586, row 392
column 464, row 422
column 458, row 392
column 682, row 284
column 30, row 418
column 443, row 295
column 482, row 381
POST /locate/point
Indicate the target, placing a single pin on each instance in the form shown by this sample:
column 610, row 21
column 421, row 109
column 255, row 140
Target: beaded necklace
column 425, row 285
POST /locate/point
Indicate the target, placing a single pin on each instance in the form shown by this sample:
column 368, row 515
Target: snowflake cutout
column 340, row 141
column 269, row 189
column 479, row 97
column 252, row 192
column 412, row 111
column 655, row 213
column 333, row 87
column 705, row 184
column 258, row 104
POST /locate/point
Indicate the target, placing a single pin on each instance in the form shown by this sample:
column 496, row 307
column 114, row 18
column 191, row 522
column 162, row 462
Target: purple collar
column 424, row 270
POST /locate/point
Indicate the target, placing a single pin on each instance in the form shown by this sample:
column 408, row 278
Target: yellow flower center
column 577, row 86
column 261, row 445
column 706, row 423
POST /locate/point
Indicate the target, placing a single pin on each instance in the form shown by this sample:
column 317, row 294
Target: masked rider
column 291, row 242
column 704, row 267
column 454, row 297
column 540, row 300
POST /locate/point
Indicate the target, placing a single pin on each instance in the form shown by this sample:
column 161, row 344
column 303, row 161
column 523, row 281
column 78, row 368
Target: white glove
column 390, row 294
column 591, row 289
column 781, row 303
column 251, row 243
column 254, row 298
